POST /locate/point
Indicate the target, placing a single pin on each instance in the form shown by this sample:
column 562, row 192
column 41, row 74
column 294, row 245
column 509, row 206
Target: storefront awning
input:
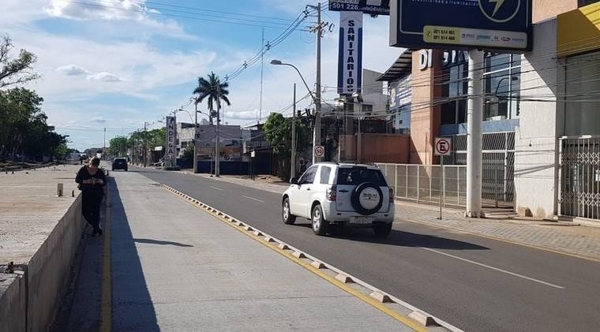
column 401, row 67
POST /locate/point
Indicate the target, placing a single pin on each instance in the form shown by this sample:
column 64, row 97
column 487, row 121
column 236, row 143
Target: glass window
column 581, row 105
column 582, row 3
column 502, row 86
column 358, row 175
column 309, row 176
column 324, row 174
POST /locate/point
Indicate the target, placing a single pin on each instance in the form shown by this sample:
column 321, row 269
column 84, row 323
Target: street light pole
column 316, row 100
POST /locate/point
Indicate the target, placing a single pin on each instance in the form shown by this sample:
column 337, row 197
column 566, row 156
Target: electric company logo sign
column 488, row 24
column 350, row 53
column 499, row 11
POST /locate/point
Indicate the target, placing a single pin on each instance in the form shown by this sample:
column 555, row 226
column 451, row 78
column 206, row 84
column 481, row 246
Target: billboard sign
column 350, row 53
column 171, row 152
column 487, row 24
column 372, row 7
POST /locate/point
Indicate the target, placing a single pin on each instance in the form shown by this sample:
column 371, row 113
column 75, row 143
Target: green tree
column 188, row 153
column 15, row 71
column 278, row 132
column 118, row 146
column 22, row 121
column 214, row 91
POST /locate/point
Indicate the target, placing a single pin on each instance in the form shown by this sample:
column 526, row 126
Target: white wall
column 540, row 125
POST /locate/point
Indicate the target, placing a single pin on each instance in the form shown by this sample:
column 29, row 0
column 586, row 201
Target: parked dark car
column 119, row 163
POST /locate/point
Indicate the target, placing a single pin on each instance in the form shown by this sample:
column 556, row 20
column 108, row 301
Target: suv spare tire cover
column 367, row 198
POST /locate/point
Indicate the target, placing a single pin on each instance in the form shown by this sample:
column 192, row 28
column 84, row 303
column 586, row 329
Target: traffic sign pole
column 443, row 147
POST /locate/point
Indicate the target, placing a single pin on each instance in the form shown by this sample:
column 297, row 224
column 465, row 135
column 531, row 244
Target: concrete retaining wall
column 30, row 303
column 12, row 302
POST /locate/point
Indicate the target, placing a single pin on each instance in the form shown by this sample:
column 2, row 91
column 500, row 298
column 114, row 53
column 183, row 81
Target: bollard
column 72, row 193
column 59, row 190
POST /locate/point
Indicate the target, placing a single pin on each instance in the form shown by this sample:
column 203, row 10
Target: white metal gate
column 580, row 176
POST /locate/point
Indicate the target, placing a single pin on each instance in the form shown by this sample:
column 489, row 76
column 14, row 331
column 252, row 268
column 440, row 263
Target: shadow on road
column 398, row 238
column 132, row 307
column 151, row 241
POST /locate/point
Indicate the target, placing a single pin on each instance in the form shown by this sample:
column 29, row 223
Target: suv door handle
column 307, row 189
column 343, row 190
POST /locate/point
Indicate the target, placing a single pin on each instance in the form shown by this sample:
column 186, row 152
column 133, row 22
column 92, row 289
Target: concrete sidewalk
column 567, row 237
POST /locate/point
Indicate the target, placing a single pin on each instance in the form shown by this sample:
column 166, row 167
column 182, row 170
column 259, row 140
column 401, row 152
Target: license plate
column 361, row 220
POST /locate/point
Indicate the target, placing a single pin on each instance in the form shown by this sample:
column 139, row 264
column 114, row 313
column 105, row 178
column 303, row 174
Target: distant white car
column 341, row 193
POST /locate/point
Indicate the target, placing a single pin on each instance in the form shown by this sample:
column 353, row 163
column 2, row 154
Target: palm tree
column 215, row 91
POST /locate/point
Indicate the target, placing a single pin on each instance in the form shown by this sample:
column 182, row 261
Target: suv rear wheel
column 288, row 217
column 319, row 224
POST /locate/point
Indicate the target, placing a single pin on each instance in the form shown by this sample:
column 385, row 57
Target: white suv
column 340, row 193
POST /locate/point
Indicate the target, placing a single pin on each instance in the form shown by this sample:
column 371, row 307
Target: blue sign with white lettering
column 373, row 7
column 484, row 24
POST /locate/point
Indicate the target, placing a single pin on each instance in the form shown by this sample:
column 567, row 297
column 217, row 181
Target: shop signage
column 171, row 152
column 350, row 53
column 373, row 7
column 503, row 25
column 450, row 58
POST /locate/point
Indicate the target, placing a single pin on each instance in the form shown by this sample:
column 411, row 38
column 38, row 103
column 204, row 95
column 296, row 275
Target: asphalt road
column 474, row 283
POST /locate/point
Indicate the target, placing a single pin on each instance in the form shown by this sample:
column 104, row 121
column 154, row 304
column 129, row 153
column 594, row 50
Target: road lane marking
column 494, row 268
column 252, row 198
column 215, row 188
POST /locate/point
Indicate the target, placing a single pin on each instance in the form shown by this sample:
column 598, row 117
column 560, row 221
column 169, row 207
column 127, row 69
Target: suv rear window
column 356, row 176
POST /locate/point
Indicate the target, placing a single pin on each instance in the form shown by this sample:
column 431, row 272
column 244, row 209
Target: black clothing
column 91, row 196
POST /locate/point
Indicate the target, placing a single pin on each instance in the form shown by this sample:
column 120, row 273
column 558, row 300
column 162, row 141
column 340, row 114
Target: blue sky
column 116, row 64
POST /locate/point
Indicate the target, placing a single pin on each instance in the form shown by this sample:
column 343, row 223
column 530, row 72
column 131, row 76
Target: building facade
column 541, row 140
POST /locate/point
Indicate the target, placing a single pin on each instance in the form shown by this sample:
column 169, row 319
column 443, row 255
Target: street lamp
column 317, row 101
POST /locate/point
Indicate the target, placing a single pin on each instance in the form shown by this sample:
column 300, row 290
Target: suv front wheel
column 319, row 224
column 286, row 212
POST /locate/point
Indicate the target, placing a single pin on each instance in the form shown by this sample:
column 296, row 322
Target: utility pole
column 262, row 62
column 317, row 134
column 293, row 158
column 217, row 166
column 145, row 142
column 474, row 134
column 195, row 137
column 104, row 147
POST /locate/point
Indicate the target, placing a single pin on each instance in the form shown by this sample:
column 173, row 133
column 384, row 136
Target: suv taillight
column 332, row 193
column 391, row 195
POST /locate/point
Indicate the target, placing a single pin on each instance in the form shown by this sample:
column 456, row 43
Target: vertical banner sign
column 350, row 53
column 171, row 152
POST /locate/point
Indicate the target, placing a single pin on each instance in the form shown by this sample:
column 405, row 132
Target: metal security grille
column 580, row 176
column 498, row 164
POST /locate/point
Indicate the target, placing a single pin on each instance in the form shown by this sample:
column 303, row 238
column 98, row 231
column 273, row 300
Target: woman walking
column 91, row 182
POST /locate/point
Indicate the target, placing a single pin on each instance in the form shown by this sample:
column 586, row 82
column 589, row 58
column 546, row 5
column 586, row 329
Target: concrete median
column 41, row 236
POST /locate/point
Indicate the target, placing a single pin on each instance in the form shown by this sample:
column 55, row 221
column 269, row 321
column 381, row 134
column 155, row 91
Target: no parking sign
column 443, row 147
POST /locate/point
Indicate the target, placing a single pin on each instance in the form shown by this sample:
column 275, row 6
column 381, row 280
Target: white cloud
column 104, row 9
column 103, row 77
column 98, row 120
column 72, row 70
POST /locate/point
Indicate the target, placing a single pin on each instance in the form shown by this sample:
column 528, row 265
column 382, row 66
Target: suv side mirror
column 294, row 180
